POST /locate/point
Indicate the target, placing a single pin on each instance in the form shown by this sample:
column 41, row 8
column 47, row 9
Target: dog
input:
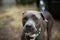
column 35, row 24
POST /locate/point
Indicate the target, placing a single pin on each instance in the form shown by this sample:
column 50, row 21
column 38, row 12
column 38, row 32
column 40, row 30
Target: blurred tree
column 0, row 2
column 24, row 2
column 17, row 1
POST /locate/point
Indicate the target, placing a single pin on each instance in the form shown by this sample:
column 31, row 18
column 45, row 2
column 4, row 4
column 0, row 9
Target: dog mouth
column 28, row 33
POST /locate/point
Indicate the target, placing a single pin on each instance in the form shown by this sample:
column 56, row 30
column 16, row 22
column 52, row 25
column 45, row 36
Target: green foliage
column 17, row 1
column 24, row 2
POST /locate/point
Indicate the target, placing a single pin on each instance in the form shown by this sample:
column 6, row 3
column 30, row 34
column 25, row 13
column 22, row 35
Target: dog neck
column 34, row 36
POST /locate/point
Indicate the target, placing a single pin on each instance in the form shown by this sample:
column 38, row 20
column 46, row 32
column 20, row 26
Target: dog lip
column 28, row 34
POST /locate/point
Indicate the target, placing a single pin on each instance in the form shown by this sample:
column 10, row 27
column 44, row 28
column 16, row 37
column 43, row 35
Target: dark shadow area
column 53, row 6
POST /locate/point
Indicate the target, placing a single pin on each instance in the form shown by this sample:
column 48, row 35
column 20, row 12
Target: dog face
column 31, row 21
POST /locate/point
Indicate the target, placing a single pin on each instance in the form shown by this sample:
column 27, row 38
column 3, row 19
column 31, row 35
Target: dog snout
column 28, row 26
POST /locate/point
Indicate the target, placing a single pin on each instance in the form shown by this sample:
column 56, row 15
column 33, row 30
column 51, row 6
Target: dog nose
column 28, row 26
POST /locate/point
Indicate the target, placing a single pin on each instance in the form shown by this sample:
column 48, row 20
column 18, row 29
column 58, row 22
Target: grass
column 11, row 23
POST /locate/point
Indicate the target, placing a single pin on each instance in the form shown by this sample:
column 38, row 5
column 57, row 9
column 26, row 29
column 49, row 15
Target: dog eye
column 25, row 18
column 34, row 17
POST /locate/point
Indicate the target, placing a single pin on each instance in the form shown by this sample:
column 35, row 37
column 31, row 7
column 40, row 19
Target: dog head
column 31, row 21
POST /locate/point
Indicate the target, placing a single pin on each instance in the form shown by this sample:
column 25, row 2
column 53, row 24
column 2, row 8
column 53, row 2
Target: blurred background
column 11, row 17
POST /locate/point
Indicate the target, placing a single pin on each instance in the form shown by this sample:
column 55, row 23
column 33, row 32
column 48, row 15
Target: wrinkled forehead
column 29, row 13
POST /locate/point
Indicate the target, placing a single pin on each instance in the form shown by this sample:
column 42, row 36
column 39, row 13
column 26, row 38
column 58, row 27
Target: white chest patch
column 34, row 35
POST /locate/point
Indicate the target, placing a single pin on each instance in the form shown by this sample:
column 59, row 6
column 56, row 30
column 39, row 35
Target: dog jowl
column 34, row 24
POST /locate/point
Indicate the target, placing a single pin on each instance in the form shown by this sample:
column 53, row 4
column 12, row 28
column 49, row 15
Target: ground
column 11, row 23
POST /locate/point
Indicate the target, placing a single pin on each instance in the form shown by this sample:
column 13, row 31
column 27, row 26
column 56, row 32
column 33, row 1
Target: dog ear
column 42, row 16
